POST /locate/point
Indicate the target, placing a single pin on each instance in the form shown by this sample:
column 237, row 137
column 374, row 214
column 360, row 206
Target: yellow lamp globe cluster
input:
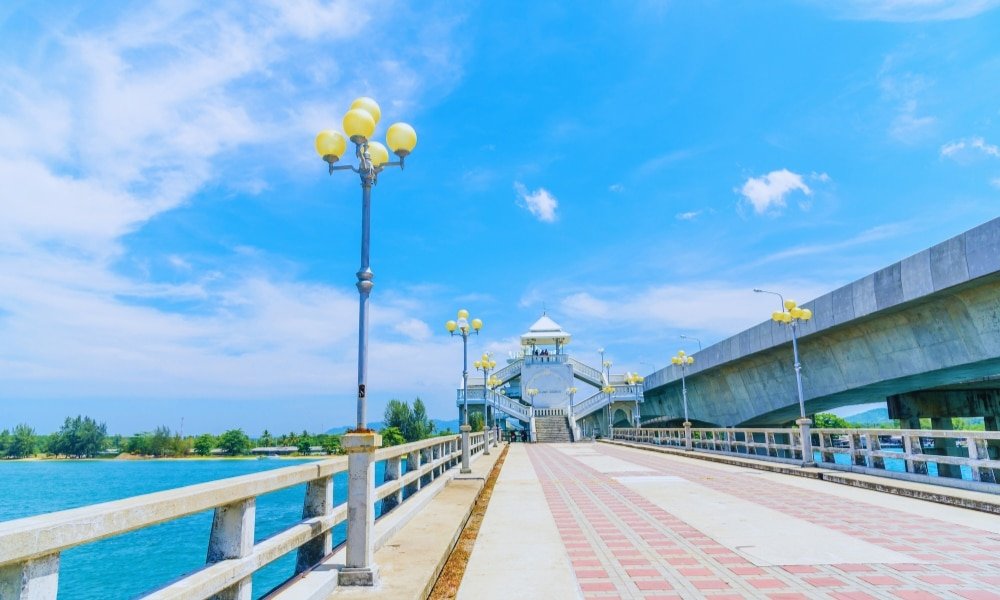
column 791, row 312
column 462, row 323
column 359, row 124
column 493, row 382
column 634, row 378
column 682, row 358
column 486, row 362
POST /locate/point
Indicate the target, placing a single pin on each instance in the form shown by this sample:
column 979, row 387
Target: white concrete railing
column 599, row 400
column 510, row 371
column 911, row 452
column 587, row 372
column 501, row 402
column 549, row 412
column 30, row 547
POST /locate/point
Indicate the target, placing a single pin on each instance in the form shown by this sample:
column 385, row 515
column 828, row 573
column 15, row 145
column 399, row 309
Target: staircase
column 553, row 428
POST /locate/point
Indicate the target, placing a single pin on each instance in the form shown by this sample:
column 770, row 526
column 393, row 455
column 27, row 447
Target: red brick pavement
column 622, row 545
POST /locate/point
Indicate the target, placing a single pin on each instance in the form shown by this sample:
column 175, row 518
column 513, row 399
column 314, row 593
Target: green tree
column 831, row 421
column 79, row 437
column 397, row 414
column 305, row 443
column 265, row 439
column 392, row 436
column 234, row 442
column 22, row 443
column 476, row 420
column 139, row 444
column 159, row 441
column 422, row 427
column 330, row 443
column 5, row 439
column 204, row 444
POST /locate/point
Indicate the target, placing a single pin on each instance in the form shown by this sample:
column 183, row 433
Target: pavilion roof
column 545, row 331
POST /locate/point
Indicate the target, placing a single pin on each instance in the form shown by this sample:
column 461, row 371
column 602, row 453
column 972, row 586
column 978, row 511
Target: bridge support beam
column 687, row 436
column 360, row 569
column 232, row 537
column 941, row 405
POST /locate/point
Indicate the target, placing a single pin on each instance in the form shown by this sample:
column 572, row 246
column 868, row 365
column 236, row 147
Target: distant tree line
column 83, row 437
column 831, row 421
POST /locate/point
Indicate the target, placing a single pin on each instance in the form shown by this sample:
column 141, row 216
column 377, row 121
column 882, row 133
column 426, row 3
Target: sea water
column 134, row 563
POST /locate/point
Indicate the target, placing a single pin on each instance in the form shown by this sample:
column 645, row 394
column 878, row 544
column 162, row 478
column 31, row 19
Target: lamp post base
column 360, row 569
column 465, row 429
column 687, row 436
column 806, row 439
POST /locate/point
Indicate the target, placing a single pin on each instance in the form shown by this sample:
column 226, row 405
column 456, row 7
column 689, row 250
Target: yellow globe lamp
column 451, row 326
column 806, row 314
column 463, row 314
column 690, row 360
column 401, row 138
column 796, row 313
column 477, row 324
column 379, row 154
column 359, row 125
column 331, row 145
column 478, row 364
column 790, row 304
column 367, row 104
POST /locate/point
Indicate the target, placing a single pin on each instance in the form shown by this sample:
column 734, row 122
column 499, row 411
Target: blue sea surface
column 141, row 561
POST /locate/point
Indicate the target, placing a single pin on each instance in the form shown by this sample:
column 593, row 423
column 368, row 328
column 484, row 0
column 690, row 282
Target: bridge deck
column 601, row 521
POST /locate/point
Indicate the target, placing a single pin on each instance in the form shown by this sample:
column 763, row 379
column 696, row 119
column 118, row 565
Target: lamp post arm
column 780, row 297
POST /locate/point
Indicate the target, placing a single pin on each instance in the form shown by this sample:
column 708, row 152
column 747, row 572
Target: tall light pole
column 462, row 327
column 485, row 364
column 792, row 315
column 688, row 337
column 531, row 392
column 493, row 383
column 359, row 124
column 634, row 379
column 683, row 360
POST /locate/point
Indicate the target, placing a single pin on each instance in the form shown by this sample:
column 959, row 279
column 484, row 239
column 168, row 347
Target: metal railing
column 586, row 372
column 30, row 548
column 945, row 456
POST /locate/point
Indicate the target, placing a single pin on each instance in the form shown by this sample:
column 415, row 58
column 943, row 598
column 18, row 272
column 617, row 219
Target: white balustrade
column 30, row 548
column 916, row 453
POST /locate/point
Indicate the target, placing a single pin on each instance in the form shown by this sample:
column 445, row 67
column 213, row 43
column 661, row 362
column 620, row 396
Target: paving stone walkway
column 614, row 509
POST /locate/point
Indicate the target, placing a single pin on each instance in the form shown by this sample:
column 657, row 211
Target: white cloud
column 616, row 188
column 969, row 148
column 768, row 193
column 133, row 119
column 541, row 203
column 687, row 216
column 996, row 183
column 874, row 234
column 910, row 10
column 682, row 307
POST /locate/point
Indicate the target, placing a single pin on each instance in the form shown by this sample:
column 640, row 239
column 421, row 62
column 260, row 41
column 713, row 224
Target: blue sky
column 171, row 246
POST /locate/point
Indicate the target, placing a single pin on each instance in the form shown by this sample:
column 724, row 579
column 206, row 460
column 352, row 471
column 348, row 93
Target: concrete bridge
column 923, row 333
column 618, row 519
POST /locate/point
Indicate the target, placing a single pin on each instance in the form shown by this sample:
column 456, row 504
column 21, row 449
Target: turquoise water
column 141, row 561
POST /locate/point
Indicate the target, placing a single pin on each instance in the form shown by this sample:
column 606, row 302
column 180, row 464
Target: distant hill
column 870, row 417
column 439, row 425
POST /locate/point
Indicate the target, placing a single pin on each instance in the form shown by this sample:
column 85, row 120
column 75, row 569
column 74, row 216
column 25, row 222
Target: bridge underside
column 946, row 338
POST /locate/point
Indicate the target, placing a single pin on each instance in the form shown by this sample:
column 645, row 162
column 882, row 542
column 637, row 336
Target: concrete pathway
column 629, row 523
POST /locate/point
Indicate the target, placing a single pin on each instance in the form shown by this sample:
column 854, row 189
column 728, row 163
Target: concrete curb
column 980, row 501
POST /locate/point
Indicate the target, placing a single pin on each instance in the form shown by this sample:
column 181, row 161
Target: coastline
column 131, row 458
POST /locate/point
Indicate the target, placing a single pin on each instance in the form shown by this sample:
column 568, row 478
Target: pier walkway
column 607, row 521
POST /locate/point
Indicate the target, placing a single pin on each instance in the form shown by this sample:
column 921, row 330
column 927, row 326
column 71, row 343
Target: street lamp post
column 609, row 390
column 531, row 392
column 493, row 383
column 634, row 379
column 792, row 315
column 683, row 360
column 463, row 327
column 485, row 364
column 688, row 337
column 571, row 391
column 359, row 124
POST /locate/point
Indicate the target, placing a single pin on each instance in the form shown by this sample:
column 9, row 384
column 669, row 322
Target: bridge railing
column 549, row 412
column 957, row 458
column 510, row 371
column 587, row 372
column 30, row 548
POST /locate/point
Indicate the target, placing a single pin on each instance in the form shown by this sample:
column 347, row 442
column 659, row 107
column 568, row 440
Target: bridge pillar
column 465, row 429
column 413, row 463
column 232, row 537
column 687, row 436
column 805, row 438
column 36, row 579
column 318, row 503
column 393, row 471
column 360, row 568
